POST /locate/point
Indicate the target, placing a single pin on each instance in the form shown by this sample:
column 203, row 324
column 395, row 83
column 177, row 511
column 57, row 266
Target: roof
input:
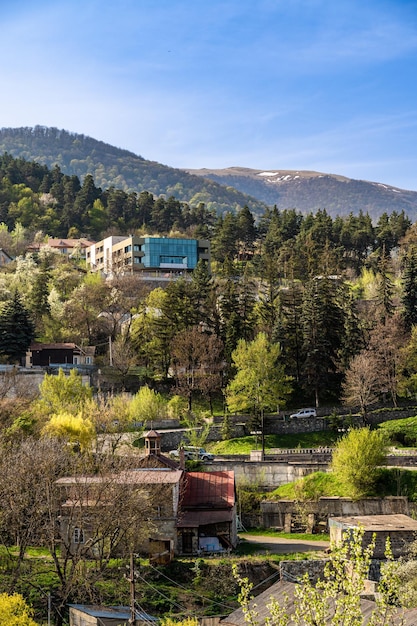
column 157, row 460
column 152, row 434
column 209, row 490
column 374, row 523
column 283, row 590
column 53, row 346
column 118, row 612
column 148, row 476
column 69, row 243
column 88, row 350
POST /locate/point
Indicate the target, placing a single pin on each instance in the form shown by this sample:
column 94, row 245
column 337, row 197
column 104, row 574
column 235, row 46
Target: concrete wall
column 267, row 475
column 290, row 515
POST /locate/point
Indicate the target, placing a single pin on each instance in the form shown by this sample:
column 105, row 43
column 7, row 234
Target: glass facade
column 163, row 252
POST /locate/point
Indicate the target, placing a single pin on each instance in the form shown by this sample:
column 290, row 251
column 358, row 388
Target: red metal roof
column 209, row 490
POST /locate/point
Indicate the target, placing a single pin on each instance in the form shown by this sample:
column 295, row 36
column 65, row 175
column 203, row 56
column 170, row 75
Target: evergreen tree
column 323, row 335
column 225, row 239
column 288, row 330
column 385, row 289
column 40, row 291
column 16, row 329
column 409, row 294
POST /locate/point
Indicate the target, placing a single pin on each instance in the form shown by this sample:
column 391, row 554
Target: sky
column 323, row 85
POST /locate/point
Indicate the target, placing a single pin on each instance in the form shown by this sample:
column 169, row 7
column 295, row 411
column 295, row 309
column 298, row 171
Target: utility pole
column 132, row 619
column 110, row 352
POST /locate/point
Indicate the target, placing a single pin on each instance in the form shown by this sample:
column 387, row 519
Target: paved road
column 278, row 545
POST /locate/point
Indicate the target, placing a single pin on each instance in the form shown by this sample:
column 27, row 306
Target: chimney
column 182, row 458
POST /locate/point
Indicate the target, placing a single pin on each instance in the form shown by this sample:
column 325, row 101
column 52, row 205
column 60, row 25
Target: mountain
column 310, row 191
column 113, row 167
column 221, row 190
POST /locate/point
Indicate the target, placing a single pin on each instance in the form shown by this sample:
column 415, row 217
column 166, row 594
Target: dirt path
column 278, row 545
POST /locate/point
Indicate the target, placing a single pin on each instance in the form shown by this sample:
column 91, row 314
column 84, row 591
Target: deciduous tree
column 361, row 385
column 260, row 382
column 59, row 392
column 356, row 460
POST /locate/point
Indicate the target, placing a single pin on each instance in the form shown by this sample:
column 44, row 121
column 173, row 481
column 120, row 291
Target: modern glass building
column 154, row 256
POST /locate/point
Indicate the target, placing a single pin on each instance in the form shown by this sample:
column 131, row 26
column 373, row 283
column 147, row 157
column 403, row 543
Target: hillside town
column 180, row 416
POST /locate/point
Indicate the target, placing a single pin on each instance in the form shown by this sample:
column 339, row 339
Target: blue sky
column 325, row 85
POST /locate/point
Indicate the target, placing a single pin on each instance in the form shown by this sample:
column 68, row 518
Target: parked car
column 305, row 413
column 191, row 452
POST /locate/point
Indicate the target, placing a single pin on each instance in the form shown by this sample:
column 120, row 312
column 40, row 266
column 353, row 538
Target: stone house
column 193, row 512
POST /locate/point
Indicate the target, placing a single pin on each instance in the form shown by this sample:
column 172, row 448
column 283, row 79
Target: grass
column 244, row 445
column 267, row 532
column 391, row 482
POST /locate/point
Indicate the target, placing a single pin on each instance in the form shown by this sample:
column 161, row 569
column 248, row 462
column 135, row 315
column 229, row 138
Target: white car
column 305, row 413
column 193, row 454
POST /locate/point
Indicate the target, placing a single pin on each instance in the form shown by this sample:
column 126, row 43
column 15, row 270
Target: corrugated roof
column 284, row 593
column 149, row 476
column 209, row 490
column 120, row 612
column 53, row 346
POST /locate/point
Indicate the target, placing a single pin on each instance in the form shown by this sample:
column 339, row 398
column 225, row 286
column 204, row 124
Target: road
column 279, row 545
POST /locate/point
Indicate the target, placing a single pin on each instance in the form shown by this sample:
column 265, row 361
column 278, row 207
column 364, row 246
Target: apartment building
column 160, row 257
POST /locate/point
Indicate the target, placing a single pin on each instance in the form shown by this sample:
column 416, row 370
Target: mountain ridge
column 308, row 190
column 227, row 189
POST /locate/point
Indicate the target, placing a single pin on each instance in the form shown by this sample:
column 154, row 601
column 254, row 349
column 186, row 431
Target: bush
column 356, row 461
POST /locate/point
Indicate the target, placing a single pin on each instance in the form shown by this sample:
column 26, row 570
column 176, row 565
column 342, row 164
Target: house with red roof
column 194, row 512
column 207, row 515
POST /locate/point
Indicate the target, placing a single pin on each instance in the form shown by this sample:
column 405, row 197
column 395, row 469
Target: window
column 136, row 247
column 128, row 249
column 88, row 360
column 136, row 259
column 78, row 535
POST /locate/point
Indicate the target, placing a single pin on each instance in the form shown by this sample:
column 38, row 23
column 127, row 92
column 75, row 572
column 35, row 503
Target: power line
column 223, row 604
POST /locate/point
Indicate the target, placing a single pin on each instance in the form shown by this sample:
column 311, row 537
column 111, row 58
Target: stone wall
column 292, row 571
column 290, row 515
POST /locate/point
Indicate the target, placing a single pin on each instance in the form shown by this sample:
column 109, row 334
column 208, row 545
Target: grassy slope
column 244, row 445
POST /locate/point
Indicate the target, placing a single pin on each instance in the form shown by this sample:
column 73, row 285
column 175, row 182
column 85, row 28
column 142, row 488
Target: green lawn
column 267, row 532
column 244, row 445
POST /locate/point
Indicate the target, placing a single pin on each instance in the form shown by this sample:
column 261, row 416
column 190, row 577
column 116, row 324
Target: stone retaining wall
column 290, row 515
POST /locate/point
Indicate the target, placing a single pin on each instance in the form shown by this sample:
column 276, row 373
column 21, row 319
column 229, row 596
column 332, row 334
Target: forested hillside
column 112, row 167
column 220, row 190
column 325, row 289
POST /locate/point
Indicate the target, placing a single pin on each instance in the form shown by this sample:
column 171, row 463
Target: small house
column 207, row 517
column 59, row 354
column 92, row 615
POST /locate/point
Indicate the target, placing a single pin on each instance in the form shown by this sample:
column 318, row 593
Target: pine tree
column 409, row 298
column 16, row 329
column 323, row 334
